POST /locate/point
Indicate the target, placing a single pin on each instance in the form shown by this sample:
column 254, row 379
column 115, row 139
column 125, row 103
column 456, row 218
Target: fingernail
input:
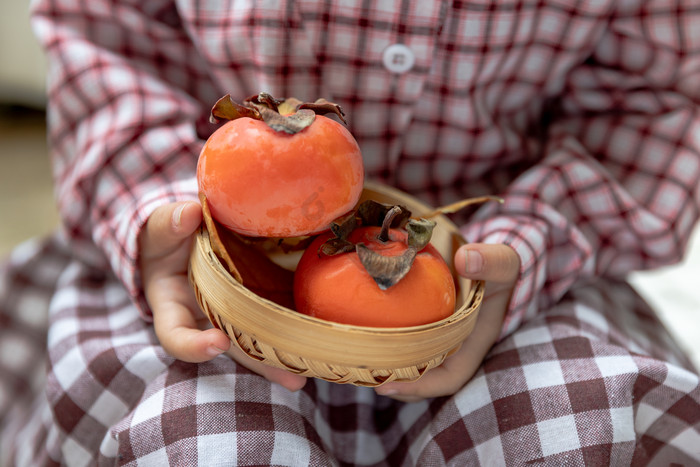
column 177, row 215
column 213, row 351
column 474, row 262
column 386, row 391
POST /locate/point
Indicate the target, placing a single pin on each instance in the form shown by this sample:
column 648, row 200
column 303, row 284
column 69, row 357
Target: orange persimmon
column 263, row 181
column 339, row 288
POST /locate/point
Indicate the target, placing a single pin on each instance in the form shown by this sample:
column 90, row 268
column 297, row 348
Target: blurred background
column 27, row 208
column 26, row 200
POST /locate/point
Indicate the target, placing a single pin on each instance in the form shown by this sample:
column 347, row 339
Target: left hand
column 499, row 267
column 182, row 329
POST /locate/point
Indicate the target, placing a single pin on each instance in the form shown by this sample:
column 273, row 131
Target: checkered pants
column 595, row 380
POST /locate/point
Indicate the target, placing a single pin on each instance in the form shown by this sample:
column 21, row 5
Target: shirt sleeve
column 124, row 90
column 616, row 189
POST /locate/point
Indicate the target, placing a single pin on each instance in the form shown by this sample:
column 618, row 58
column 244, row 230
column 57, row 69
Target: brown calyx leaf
column 264, row 99
column 335, row 246
column 290, row 124
column 322, row 107
column 227, row 109
column 372, row 212
column 420, row 231
column 343, row 226
column 289, row 115
column 385, row 270
column 389, row 270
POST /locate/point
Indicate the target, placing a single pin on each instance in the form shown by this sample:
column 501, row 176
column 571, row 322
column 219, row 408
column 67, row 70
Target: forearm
column 122, row 122
column 573, row 216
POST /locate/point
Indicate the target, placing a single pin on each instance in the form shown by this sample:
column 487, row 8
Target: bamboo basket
column 364, row 356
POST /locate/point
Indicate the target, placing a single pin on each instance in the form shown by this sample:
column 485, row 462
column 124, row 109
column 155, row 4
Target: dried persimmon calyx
column 386, row 270
column 420, row 231
column 288, row 115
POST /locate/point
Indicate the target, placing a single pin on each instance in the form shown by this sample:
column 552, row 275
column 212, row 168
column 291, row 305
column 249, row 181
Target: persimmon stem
column 386, row 223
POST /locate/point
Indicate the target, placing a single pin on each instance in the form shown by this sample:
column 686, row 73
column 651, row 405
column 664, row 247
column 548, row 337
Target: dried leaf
column 454, row 207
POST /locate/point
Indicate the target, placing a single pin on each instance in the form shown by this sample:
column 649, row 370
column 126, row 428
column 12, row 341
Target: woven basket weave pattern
column 283, row 338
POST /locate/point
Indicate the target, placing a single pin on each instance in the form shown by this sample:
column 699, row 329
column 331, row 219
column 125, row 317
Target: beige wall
column 22, row 64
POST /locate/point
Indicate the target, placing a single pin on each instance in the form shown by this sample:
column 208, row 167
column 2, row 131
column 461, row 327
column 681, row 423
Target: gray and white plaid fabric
column 582, row 115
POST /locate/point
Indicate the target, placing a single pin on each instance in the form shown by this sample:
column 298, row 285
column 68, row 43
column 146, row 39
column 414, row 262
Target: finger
column 435, row 383
column 491, row 263
column 499, row 266
column 284, row 378
column 457, row 369
column 180, row 336
column 168, row 226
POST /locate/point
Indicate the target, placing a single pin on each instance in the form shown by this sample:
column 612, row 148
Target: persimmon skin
column 339, row 289
column 264, row 183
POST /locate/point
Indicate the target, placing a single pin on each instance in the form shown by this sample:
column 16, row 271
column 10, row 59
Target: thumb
column 168, row 226
column 490, row 263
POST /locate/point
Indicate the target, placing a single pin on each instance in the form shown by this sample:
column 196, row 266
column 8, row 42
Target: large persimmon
column 276, row 171
column 379, row 278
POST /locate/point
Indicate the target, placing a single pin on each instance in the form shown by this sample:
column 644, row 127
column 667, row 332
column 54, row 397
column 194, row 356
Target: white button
column 398, row 58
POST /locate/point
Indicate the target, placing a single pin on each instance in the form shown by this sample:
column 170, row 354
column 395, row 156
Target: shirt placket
column 375, row 64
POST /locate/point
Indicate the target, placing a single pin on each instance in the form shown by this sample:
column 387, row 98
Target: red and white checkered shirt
column 582, row 115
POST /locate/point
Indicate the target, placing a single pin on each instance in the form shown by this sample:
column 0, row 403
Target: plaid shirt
column 582, row 115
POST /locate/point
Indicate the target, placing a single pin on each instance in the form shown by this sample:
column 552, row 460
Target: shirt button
column 398, row 58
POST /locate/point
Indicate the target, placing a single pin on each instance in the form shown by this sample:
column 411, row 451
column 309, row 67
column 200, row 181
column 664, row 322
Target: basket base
column 329, row 372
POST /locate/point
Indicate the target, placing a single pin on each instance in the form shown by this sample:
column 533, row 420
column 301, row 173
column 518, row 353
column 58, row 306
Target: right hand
column 181, row 327
column 499, row 267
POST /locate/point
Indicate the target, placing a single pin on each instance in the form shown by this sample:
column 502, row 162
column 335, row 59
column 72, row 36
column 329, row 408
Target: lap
column 596, row 378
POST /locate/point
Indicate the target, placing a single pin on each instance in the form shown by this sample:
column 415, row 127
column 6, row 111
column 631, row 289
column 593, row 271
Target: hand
column 183, row 330
column 498, row 266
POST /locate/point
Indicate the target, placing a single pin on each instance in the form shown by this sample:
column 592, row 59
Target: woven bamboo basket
column 365, row 356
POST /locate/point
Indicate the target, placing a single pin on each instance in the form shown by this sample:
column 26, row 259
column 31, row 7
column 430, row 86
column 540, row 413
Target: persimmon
column 375, row 276
column 279, row 168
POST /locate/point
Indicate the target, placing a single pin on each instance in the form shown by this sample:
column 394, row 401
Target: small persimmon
column 279, row 173
column 405, row 286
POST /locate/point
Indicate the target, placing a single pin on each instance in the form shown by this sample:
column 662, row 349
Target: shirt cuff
column 128, row 227
column 553, row 256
